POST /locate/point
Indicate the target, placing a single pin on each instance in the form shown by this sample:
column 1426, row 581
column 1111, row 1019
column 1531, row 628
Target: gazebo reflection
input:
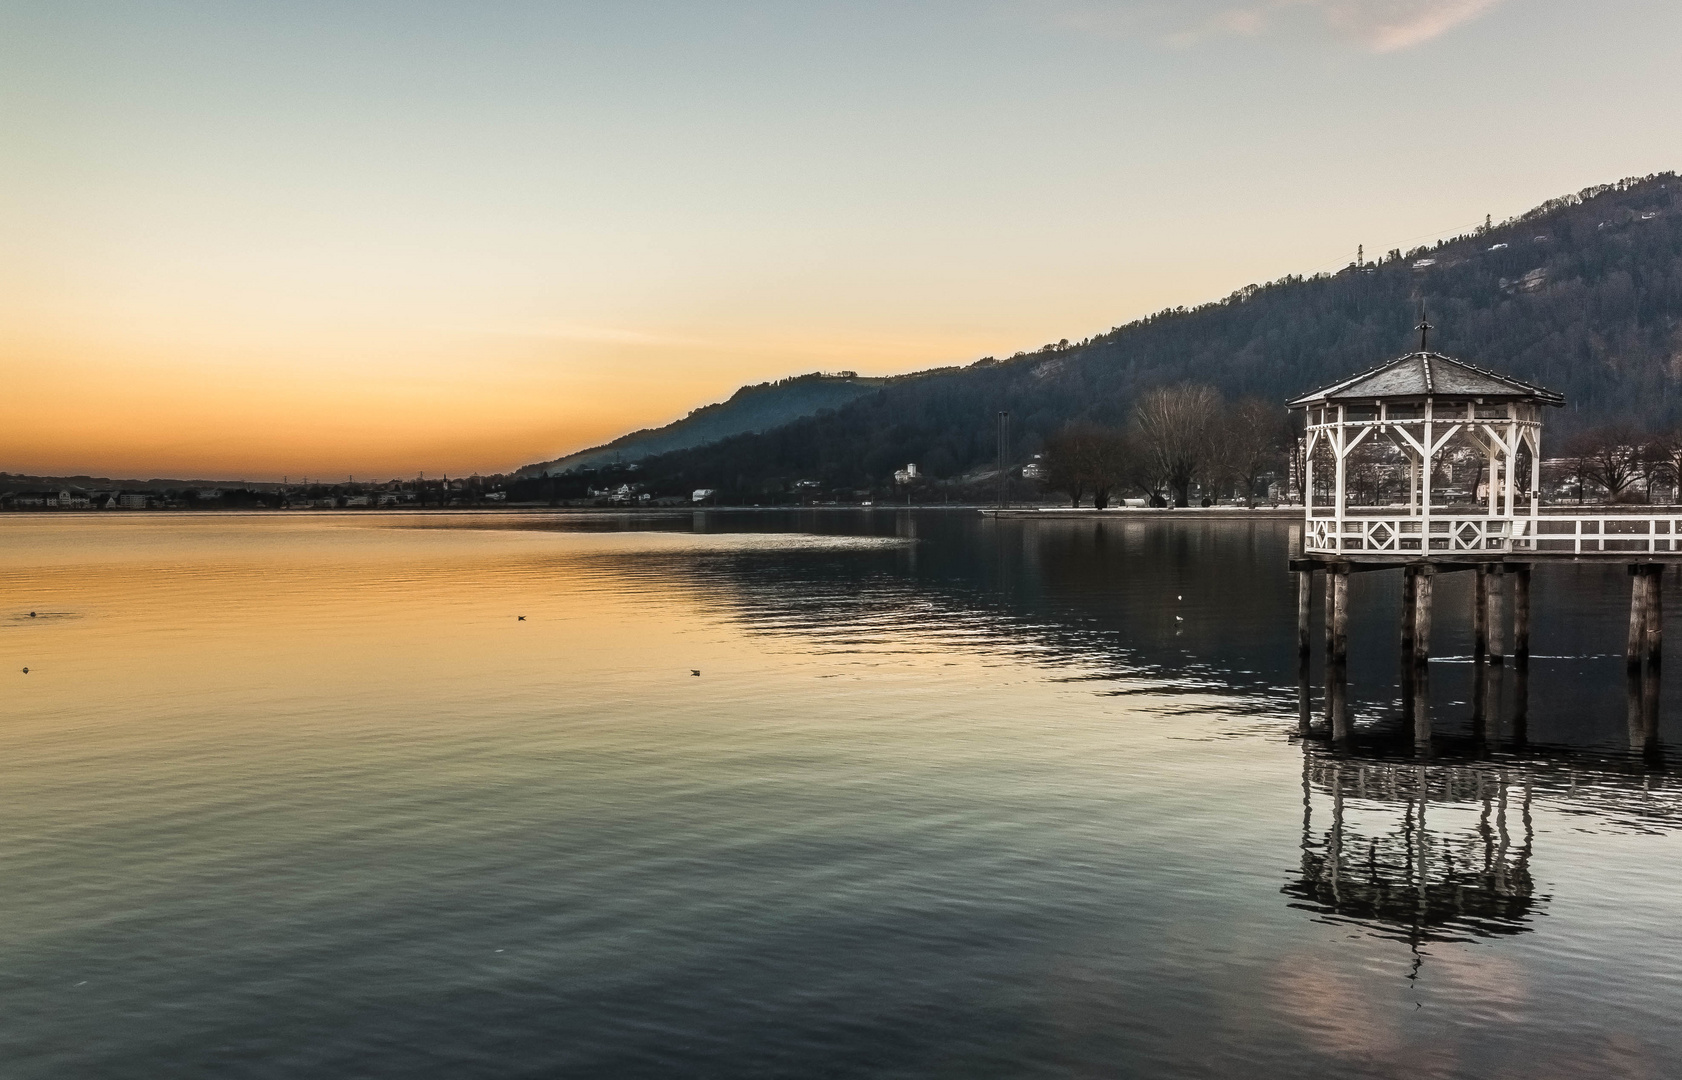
column 1440, row 848
column 1420, row 850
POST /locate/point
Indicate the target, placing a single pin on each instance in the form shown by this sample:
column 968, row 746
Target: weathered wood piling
column 1520, row 573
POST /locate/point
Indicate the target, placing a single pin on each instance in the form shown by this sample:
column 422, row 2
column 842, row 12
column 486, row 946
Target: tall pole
column 1004, row 455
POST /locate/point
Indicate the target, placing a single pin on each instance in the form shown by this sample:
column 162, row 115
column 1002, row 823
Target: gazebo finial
column 1424, row 327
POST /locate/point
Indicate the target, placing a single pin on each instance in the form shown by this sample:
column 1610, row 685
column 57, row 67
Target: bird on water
column 694, row 671
column 522, row 618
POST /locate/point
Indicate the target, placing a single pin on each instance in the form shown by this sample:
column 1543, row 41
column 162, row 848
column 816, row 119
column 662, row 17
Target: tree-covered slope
column 1583, row 295
column 752, row 408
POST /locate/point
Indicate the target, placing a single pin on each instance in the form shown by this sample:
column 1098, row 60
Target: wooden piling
column 1480, row 616
column 1422, row 577
column 1520, row 575
column 1410, row 594
column 1634, row 712
column 1422, row 617
column 1422, row 714
column 1653, row 654
column 1304, row 710
column 1521, row 616
column 1337, row 580
column 1653, row 617
column 1328, row 636
column 1305, row 601
column 1337, row 656
column 1404, row 653
column 1521, row 706
column 1480, row 698
column 1330, row 613
column 1493, row 614
column 1634, row 646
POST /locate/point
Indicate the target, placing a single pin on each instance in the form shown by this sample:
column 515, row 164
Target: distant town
column 1077, row 469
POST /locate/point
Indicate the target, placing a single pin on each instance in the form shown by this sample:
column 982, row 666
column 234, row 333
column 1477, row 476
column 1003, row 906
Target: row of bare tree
column 1623, row 461
column 1179, row 437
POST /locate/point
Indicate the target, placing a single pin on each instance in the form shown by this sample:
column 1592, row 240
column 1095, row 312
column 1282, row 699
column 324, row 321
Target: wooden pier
column 1425, row 416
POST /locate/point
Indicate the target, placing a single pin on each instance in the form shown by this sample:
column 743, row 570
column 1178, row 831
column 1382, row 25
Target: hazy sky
column 249, row 239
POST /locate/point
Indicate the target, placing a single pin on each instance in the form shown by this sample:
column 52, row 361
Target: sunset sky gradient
column 323, row 239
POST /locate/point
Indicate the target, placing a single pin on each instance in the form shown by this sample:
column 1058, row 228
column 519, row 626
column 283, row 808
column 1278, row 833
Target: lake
column 440, row 795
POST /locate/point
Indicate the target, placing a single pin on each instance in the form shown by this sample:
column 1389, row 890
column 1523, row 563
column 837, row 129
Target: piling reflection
column 1440, row 848
column 1397, row 854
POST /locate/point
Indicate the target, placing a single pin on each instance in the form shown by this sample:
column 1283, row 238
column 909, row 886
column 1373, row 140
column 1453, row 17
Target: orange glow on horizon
column 266, row 240
column 135, row 410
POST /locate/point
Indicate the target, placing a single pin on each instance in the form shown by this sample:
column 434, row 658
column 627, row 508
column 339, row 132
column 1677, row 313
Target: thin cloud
column 1380, row 26
column 1388, row 25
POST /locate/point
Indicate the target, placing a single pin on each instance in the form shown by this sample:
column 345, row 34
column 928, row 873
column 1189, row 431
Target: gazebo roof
column 1428, row 374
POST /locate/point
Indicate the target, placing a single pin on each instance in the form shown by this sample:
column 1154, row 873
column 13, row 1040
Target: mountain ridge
column 1582, row 294
column 756, row 407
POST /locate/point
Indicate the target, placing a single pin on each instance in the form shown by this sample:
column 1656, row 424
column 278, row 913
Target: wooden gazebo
column 1417, row 409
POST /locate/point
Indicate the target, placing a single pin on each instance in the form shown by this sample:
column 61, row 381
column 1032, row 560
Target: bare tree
column 1612, row 457
column 1113, row 459
column 1292, row 434
column 1086, row 458
column 1664, row 463
column 1066, row 463
column 1173, row 425
column 1251, row 438
column 1579, row 452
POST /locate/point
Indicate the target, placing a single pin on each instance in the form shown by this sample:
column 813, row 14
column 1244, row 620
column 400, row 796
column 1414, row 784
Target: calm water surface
column 303, row 795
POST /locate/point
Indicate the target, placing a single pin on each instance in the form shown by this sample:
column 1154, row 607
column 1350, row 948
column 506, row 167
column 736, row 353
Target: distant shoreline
column 1203, row 513
column 1022, row 512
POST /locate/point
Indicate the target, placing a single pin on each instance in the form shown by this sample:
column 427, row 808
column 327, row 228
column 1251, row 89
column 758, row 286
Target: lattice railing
column 1402, row 535
column 1591, row 534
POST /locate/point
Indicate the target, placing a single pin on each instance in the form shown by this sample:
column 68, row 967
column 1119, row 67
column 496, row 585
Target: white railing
column 1606, row 534
column 1592, row 534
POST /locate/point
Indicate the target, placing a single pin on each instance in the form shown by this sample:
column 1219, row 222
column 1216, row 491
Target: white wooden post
column 1337, row 494
column 1494, row 480
column 1512, row 455
column 1308, row 441
column 1425, row 484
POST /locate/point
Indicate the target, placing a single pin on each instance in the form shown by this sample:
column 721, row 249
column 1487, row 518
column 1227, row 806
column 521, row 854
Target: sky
column 255, row 240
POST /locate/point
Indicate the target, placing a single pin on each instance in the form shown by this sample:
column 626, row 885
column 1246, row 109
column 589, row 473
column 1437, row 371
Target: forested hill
column 752, row 408
column 1583, row 295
